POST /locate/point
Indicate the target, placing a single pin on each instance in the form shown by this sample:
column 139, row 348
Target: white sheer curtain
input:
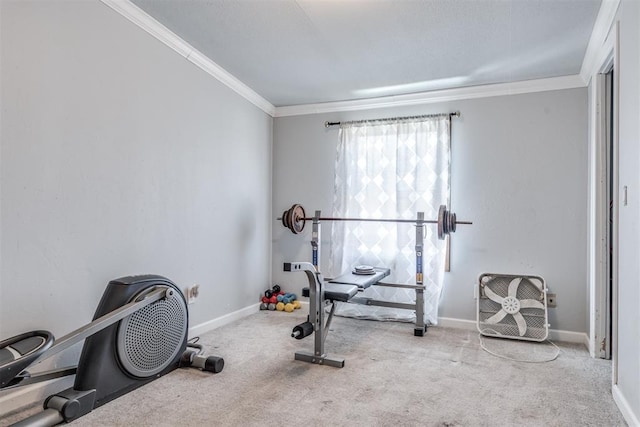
column 391, row 170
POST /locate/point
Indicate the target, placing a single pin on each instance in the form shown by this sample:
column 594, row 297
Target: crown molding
column 445, row 95
column 601, row 29
column 140, row 18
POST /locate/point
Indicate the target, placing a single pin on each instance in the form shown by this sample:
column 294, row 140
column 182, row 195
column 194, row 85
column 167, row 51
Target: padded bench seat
column 348, row 285
column 335, row 291
column 363, row 281
column 339, row 291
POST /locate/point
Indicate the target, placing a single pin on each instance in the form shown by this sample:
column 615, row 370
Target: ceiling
column 294, row 52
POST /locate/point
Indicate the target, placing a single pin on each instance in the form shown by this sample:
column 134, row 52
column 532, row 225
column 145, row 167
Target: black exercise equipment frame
column 103, row 373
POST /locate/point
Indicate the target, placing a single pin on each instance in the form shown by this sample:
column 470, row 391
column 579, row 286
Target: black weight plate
column 290, row 219
column 447, row 222
column 284, row 219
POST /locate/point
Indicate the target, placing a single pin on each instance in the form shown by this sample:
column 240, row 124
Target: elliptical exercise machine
column 138, row 334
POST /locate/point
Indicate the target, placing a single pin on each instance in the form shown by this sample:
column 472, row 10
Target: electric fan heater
column 513, row 306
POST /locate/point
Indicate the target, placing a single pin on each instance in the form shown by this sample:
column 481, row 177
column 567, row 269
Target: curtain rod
column 425, row 116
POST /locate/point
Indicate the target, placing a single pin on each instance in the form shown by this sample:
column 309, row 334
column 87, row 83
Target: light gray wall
column 519, row 172
column 628, row 341
column 120, row 157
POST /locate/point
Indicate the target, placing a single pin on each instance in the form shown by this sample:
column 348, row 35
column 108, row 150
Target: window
column 391, row 169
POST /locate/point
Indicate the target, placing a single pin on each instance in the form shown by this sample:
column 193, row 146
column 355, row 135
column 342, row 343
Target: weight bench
column 347, row 286
column 342, row 289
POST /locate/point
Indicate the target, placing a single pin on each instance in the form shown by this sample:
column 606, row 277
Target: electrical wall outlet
column 192, row 293
column 552, row 301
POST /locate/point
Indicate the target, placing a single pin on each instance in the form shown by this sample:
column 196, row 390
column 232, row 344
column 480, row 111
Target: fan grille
column 150, row 338
column 530, row 288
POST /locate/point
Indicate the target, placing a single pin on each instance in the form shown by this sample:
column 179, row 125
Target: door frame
column 601, row 297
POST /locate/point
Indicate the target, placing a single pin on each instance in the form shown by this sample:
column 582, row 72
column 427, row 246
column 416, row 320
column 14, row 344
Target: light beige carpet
column 390, row 378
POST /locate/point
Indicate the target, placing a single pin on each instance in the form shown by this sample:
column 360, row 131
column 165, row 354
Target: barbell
column 295, row 218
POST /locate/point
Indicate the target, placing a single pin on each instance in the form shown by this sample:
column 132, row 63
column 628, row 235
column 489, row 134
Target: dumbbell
column 192, row 358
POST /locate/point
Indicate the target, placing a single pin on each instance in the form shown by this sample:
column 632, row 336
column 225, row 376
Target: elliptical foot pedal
column 16, row 353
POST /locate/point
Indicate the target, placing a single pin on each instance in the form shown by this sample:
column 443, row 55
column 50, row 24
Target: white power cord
column 517, row 360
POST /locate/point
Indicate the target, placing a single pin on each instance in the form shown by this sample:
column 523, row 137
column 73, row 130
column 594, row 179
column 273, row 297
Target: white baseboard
column 554, row 334
column 224, row 320
column 449, row 322
column 625, row 407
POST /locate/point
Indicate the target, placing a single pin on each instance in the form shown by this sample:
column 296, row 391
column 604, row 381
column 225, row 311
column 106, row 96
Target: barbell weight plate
column 298, row 218
column 445, row 223
column 284, row 219
column 454, row 221
column 290, row 219
column 301, row 218
column 441, row 215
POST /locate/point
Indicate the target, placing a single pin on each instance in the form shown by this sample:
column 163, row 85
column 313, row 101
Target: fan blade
column 531, row 303
column 513, row 286
column 522, row 324
column 496, row 317
column 536, row 282
column 492, row 295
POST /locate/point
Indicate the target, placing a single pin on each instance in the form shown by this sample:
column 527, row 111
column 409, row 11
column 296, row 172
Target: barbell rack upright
column 420, row 326
column 315, row 241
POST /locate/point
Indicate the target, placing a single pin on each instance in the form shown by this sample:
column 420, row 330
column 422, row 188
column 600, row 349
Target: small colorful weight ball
column 294, row 297
column 296, row 304
column 280, row 298
column 289, row 308
column 280, row 306
column 276, row 288
column 273, row 299
column 286, row 300
column 272, row 306
column 268, row 293
column 264, row 306
column 265, row 300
